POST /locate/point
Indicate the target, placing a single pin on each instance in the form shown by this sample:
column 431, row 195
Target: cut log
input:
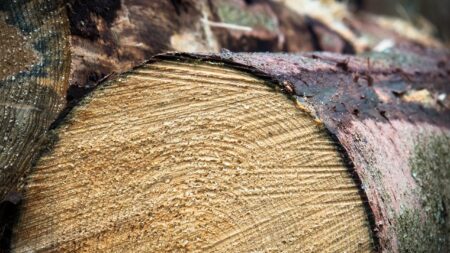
column 250, row 152
column 191, row 156
column 55, row 49
column 52, row 48
column 34, row 66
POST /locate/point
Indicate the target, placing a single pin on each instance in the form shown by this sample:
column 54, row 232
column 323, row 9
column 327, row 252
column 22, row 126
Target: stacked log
column 240, row 152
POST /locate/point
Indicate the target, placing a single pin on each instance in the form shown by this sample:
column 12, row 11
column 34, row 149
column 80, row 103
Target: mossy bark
column 430, row 167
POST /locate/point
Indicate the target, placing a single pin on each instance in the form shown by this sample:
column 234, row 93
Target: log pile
column 219, row 152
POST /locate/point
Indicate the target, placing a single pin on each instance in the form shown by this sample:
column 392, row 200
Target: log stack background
column 388, row 110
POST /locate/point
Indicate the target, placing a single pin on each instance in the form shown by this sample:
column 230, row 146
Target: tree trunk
column 191, row 152
column 388, row 111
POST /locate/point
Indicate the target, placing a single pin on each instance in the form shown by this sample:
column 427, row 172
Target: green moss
column 235, row 15
column 428, row 230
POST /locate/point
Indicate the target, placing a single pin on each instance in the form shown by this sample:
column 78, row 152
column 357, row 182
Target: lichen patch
column 430, row 166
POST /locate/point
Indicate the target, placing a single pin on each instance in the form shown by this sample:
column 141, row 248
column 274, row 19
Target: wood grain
column 191, row 157
column 33, row 89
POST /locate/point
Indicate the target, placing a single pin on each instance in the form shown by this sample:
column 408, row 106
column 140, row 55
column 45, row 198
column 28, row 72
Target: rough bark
column 115, row 37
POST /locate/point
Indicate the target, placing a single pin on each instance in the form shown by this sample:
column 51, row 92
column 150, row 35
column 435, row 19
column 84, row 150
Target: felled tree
column 227, row 152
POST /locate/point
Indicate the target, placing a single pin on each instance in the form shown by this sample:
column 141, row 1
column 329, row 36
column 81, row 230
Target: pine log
column 191, row 156
column 52, row 48
column 57, row 49
column 54, row 51
column 250, row 152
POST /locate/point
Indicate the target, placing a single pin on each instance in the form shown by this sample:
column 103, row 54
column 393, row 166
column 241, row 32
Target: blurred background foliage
column 427, row 15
